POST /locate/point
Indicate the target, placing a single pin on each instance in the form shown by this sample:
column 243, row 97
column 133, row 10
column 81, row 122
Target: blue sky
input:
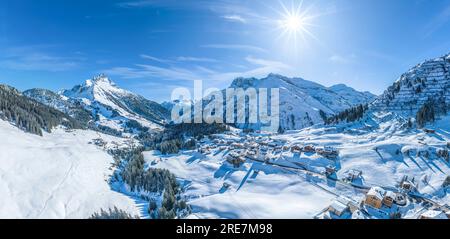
column 153, row 46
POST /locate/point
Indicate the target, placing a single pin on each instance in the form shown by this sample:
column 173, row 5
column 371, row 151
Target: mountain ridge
column 427, row 81
column 302, row 102
column 108, row 105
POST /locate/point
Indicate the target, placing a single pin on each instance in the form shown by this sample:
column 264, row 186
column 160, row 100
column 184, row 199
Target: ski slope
column 59, row 175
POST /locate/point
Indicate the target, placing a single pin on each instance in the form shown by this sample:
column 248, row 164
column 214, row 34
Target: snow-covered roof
column 339, row 205
column 390, row 194
column 434, row 214
column 377, row 192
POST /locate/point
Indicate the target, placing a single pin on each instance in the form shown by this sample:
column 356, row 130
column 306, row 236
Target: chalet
column 330, row 170
column 205, row 150
column 251, row 154
column 352, row 175
column 374, row 197
column 296, row 149
column 264, row 143
column 407, row 186
column 236, row 161
column 433, row 214
column 309, row 149
column 234, row 154
column 99, row 142
column 339, row 207
column 389, row 198
column 237, row 146
column 328, row 152
column 400, row 199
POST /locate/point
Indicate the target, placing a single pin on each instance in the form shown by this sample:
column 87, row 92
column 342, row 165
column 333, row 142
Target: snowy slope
column 378, row 146
column 257, row 191
column 353, row 96
column 59, row 175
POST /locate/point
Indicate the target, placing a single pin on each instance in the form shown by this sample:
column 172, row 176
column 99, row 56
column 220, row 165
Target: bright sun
column 294, row 23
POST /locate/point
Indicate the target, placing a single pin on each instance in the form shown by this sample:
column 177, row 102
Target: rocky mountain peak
column 427, row 81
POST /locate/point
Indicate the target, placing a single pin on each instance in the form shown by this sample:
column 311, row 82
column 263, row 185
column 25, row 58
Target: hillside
column 59, row 175
column 31, row 115
column 426, row 82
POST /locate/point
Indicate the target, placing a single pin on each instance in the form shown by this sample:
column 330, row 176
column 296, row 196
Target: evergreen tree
column 113, row 214
column 30, row 115
column 425, row 114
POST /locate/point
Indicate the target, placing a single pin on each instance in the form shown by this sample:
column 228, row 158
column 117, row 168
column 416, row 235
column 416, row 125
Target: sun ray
column 294, row 22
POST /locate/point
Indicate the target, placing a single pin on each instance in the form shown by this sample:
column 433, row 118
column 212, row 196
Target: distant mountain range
column 100, row 102
column 302, row 103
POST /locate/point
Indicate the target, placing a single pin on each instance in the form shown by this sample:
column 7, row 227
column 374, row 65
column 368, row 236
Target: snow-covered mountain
column 61, row 103
column 353, row 96
column 428, row 81
column 304, row 103
column 168, row 105
column 30, row 115
column 109, row 105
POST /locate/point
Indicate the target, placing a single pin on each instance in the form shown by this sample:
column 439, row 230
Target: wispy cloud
column 140, row 3
column 230, row 10
column 157, row 59
column 235, row 18
column 195, row 59
column 258, row 68
column 342, row 59
column 437, row 22
column 33, row 58
column 235, row 47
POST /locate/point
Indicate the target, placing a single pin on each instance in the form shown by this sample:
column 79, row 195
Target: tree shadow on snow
column 225, row 171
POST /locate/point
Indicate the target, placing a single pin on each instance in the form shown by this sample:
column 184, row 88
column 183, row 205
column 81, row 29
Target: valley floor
column 293, row 185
